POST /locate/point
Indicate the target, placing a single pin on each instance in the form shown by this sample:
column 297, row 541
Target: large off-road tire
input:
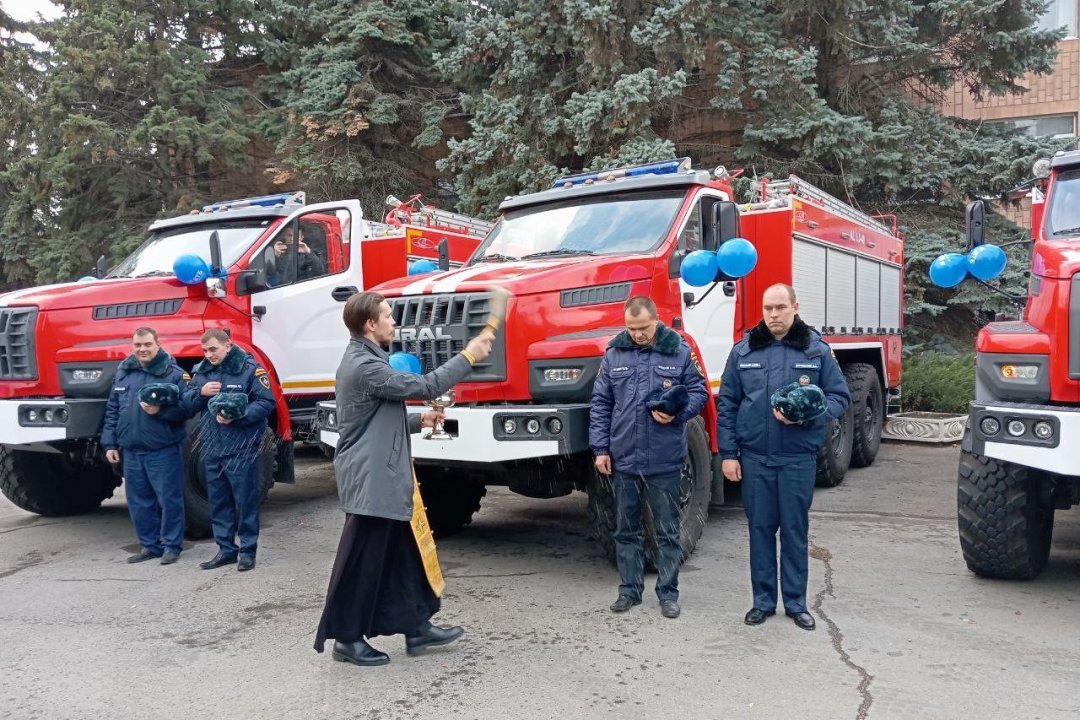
column 53, row 484
column 866, row 400
column 196, row 502
column 1005, row 522
column 694, row 494
column 450, row 500
column 835, row 456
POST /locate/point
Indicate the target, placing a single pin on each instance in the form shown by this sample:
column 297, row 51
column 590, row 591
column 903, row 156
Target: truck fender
column 708, row 413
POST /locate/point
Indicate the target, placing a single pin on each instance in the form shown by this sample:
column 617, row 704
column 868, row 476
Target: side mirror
column 675, row 263
column 99, row 268
column 215, row 254
column 250, row 281
column 723, row 224
column 444, row 254
column 215, row 287
column 976, row 223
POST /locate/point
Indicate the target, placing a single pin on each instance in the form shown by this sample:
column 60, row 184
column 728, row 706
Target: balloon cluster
column 735, row 258
column 983, row 262
column 191, row 269
column 405, row 362
column 420, row 267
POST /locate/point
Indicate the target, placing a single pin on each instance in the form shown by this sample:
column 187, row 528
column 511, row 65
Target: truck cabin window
column 1063, row 210
column 602, row 225
column 156, row 255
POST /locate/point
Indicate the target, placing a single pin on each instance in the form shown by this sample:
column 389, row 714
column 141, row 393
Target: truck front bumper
column 33, row 421
column 491, row 434
column 1043, row 437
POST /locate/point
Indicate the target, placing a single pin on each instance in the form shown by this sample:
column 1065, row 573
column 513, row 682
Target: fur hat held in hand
column 230, row 406
column 799, row 403
column 159, row 394
column 671, row 401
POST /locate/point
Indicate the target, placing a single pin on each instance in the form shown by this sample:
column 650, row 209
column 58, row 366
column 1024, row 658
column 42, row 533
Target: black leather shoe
column 624, row 603
column 246, row 562
column 669, row 609
column 756, row 617
column 142, row 556
column 359, row 653
column 432, row 636
column 803, row 619
column 169, row 557
column 219, row 560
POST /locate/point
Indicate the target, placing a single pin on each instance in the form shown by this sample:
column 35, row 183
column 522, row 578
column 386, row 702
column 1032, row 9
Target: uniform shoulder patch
column 186, row 377
column 263, row 377
column 697, row 364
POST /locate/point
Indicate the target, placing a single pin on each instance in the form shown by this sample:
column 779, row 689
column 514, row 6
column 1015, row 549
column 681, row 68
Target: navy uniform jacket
column 238, row 372
column 620, row 425
column 758, row 365
column 126, row 424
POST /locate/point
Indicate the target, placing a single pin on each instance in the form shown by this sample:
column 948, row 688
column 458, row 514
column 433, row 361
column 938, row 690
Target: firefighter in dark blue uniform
column 648, row 387
column 147, row 437
column 231, row 446
column 773, row 457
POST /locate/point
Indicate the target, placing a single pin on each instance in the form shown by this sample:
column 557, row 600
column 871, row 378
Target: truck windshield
column 1063, row 210
column 601, row 225
column 157, row 254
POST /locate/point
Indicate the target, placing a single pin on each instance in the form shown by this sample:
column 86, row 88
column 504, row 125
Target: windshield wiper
column 495, row 257
column 561, row 251
column 1066, row 231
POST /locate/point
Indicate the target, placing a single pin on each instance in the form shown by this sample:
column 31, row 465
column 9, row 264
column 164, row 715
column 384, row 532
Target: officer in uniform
column 231, row 446
column 147, row 437
column 774, row 457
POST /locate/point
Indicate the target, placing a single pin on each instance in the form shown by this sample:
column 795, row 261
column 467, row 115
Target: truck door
column 710, row 322
column 311, row 269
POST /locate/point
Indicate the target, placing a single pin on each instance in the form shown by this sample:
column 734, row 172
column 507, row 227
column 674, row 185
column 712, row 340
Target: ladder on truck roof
column 796, row 187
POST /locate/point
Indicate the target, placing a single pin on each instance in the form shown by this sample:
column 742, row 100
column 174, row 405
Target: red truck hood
column 1056, row 258
column 69, row 296
column 526, row 277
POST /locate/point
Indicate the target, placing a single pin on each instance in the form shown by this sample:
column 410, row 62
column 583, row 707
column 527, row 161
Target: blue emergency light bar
column 666, row 167
column 279, row 200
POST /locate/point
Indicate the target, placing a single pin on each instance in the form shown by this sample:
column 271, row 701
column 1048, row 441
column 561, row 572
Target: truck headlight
column 990, row 426
column 510, row 426
column 1016, row 428
column 331, row 419
column 532, row 426
column 1019, row 372
column 1043, row 430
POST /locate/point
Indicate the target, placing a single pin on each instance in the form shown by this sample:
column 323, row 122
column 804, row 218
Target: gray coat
column 373, row 461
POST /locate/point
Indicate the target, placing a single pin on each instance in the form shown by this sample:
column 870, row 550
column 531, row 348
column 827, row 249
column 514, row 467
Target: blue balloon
column 699, row 268
column 87, row 278
column 405, row 362
column 948, row 270
column 191, row 269
column 736, row 257
column 986, row 262
column 419, row 267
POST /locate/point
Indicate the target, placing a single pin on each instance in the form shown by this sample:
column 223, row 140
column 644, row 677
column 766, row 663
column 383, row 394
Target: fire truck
column 570, row 256
column 279, row 272
column 1016, row 466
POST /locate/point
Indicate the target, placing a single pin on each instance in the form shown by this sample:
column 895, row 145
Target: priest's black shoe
column 359, row 653
column 169, row 557
column 624, row 603
column 220, row 560
column 670, row 609
column 803, row 619
column 756, row 617
column 142, row 556
column 432, row 636
column 246, row 562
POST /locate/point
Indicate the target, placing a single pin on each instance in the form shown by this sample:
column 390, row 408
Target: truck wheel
column 694, row 495
column 835, row 455
column 865, row 387
column 1005, row 523
column 196, row 502
column 449, row 499
column 52, row 484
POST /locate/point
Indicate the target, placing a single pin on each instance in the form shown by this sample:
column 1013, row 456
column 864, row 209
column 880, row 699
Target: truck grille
column 1074, row 328
column 436, row 327
column 17, row 361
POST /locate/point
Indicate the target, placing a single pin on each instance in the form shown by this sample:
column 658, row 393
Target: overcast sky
column 28, row 9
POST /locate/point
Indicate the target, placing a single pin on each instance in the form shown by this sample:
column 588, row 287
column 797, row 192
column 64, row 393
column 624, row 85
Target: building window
column 1056, row 125
column 1060, row 13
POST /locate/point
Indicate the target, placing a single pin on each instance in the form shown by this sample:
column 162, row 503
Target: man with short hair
column 774, row 456
column 232, row 392
column 648, row 387
column 379, row 585
column 144, row 433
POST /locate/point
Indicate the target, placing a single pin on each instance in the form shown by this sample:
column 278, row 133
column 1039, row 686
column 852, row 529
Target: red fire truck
column 570, row 256
column 284, row 269
column 1016, row 462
